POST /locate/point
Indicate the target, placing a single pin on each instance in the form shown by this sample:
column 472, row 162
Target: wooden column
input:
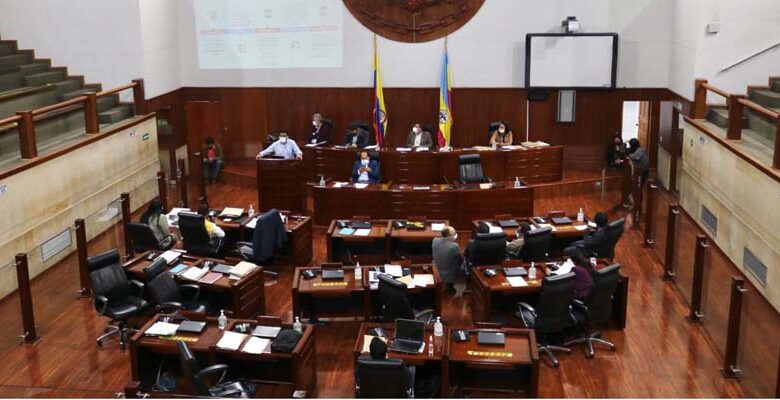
column 81, row 255
column 181, row 181
column 699, row 106
column 25, row 299
column 652, row 189
column 730, row 369
column 139, row 97
column 638, row 200
column 27, row 145
column 671, row 233
column 734, row 130
column 91, row 113
column 197, row 161
column 699, row 260
column 776, row 158
column 162, row 189
column 126, row 220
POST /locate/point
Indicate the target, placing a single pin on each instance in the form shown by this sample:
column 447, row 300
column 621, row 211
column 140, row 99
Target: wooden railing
column 736, row 104
column 25, row 120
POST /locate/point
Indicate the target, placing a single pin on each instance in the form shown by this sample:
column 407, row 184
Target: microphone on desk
column 447, row 181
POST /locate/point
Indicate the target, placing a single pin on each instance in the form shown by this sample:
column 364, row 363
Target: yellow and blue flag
column 445, row 101
column 379, row 112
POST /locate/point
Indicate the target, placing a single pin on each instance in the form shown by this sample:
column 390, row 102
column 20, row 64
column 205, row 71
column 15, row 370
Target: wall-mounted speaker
column 566, row 105
column 536, row 95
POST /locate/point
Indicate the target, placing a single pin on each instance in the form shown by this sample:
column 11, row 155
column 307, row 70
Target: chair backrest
column 489, row 249
column 612, row 234
column 332, row 265
column 195, row 238
column 160, row 283
column 394, row 299
column 107, row 276
column 190, row 368
column 599, row 301
column 142, row 237
column 470, row 168
column 492, row 127
column 553, row 312
column 556, row 214
column 380, row 378
column 536, row 244
column 372, row 155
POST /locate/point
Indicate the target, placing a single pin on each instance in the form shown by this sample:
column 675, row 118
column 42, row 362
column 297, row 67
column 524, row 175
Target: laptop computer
column 268, row 332
column 508, row 223
column 409, row 336
column 191, row 327
column 515, row 271
column 333, row 274
column 561, row 220
column 360, row 225
column 490, row 338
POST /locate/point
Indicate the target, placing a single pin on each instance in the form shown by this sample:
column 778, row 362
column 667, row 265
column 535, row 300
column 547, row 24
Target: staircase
column 28, row 83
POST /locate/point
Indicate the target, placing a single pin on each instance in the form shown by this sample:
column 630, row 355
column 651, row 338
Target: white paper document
column 361, row 185
column 194, row 273
column 437, row 227
column 251, row 224
column 421, row 149
column 423, row 280
column 362, row 232
column 256, row 345
column 231, row 212
column 160, row 328
column 516, row 281
column 339, row 184
column 592, row 224
column 495, row 229
column 242, row 269
column 170, row 256
column 547, row 225
column 231, row 340
column 580, row 227
column 403, row 149
column 394, row 270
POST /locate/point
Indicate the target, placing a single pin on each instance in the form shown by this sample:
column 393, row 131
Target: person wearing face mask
column 502, row 136
column 616, row 152
column 513, row 248
column 365, row 169
column 419, row 137
column 447, row 256
column 284, row 147
column 320, row 130
column 357, row 137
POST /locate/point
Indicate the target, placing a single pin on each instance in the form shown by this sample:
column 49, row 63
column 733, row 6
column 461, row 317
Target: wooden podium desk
column 369, row 249
column 329, row 298
column 280, row 185
column 296, row 370
column 537, row 165
column 460, row 205
column 244, row 297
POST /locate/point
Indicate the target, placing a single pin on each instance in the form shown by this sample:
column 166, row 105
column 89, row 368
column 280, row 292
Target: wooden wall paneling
column 473, row 109
column 244, row 118
column 406, row 106
column 666, row 124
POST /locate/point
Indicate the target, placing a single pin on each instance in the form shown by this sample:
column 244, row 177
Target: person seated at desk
column 284, row 147
column 212, row 160
column 419, row 137
column 447, row 256
column 616, row 152
column 583, row 275
column 502, row 136
column 356, row 137
column 513, row 248
column 320, row 131
column 365, row 169
column 158, row 222
column 378, row 351
column 593, row 239
column 214, row 231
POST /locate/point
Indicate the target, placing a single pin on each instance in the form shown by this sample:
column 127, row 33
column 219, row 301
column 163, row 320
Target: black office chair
column 470, row 168
column 394, row 300
column 198, row 378
column 552, row 314
column 166, row 295
column 492, row 127
column 388, row 378
column 487, row 249
column 114, row 295
column 597, row 308
column 246, row 250
column 142, row 238
column 536, row 244
column 612, row 234
column 195, row 238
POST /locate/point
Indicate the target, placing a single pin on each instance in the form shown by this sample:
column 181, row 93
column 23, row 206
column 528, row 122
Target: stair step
column 107, row 102
column 74, row 93
column 34, row 68
column 67, row 85
column 44, row 78
column 765, row 97
column 718, row 116
column 7, row 48
column 15, row 60
column 774, row 83
column 116, row 114
column 761, row 125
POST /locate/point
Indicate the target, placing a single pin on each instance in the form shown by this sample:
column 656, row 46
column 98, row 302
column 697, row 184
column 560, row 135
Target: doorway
column 636, row 117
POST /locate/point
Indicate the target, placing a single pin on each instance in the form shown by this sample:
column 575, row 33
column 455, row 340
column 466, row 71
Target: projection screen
column 571, row 60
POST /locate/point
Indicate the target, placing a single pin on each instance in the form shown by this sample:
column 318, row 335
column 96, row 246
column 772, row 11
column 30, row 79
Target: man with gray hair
column 320, row 130
column 447, row 256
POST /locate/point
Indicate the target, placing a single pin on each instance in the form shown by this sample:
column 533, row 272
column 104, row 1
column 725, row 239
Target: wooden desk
column 329, row 298
column 459, row 205
column 370, row 249
column 414, row 244
column 512, row 367
column 280, row 185
column 244, row 297
column 296, row 370
column 495, row 295
column 427, row 297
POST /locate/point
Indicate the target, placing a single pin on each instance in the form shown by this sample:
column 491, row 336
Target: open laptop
column 409, row 336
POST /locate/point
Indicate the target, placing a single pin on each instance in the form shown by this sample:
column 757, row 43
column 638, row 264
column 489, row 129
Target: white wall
column 95, row 38
column 160, row 42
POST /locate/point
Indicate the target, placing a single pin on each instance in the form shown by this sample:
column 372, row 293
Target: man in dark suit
column 419, row 137
column 356, row 138
column 594, row 239
column 365, row 169
column 320, row 130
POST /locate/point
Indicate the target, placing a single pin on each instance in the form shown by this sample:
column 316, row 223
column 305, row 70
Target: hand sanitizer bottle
column 297, row 325
column 358, row 272
column 251, row 211
column 438, row 328
column 222, row 320
column 580, row 215
column 532, row 272
column 517, row 183
column 322, row 181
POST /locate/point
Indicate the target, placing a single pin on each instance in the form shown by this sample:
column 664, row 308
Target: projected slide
column 247, row 34
column 571, row 61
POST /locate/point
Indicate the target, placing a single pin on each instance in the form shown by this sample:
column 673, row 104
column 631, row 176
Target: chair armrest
column 578, row 304
column 410, row 376
column 213, row 370
column 527, row 307
column 191, row 288
column 138, row 287
column 169, row 307
column 431, row 314
column 101, row 303
column 248, row 244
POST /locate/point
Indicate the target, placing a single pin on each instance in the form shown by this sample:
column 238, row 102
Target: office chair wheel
column 99, row 343
column 105, row 330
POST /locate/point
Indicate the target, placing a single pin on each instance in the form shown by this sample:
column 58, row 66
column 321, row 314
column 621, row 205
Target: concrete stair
column 44, row 78
column 7, row 47
column 116, row 114
column 15, row 60
column 766, row 97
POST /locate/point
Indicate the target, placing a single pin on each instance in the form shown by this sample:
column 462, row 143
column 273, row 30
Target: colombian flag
column 445, row 101
column 380, row 112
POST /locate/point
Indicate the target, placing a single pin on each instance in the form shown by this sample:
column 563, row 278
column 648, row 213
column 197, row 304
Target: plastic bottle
column 580, row 215
column 532, row 272
column 222, row 320
column 358, row 272
column 322, row 181
column 438, row 328
column 251, row 211
column 430, row 345
column 297, row 325
column 517, row 183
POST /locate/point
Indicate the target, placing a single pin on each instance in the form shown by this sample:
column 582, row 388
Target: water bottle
column 494, row 146
column 580, row 215
column 251, row 211
column 517, row 183
column 322, row 181
column 297, row 325
column 532, row 272
column 430, row 345
column 222, row 320
column 358, row 272
column 438, row 328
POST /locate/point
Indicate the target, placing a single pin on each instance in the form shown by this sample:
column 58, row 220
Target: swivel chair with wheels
column 597, row 309
column 552, row 314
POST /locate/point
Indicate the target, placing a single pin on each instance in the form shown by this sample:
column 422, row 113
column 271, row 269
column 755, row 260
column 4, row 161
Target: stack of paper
column 362, row 232
column 361, row 185
column 210, row 278
column 421, row 149
column 417, row 187
column 160, row 328
column 495, row 229
column 423, row 280
column 170, row 256
column 547, row 225
column 394, row 270
column 580, row 227
column 339, row 184
column 252, row 223
column 485, row 185
column 242, row 269
column 231, row 212
column 437, row 227
column 367, row 342
column 516, row 281
column 195, row 273
column 407, row 280
column 231, row 340
column 403, row 149
column 173, row 215
column 256, row 345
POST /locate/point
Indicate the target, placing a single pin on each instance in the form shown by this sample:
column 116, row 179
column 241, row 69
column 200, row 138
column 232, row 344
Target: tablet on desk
column 333, row 274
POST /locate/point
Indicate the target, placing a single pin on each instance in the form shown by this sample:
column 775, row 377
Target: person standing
column 212, row 160
column 447, row 256
column 283, row 147
column 320, row 130
column 640, row 159
column 616, row 152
